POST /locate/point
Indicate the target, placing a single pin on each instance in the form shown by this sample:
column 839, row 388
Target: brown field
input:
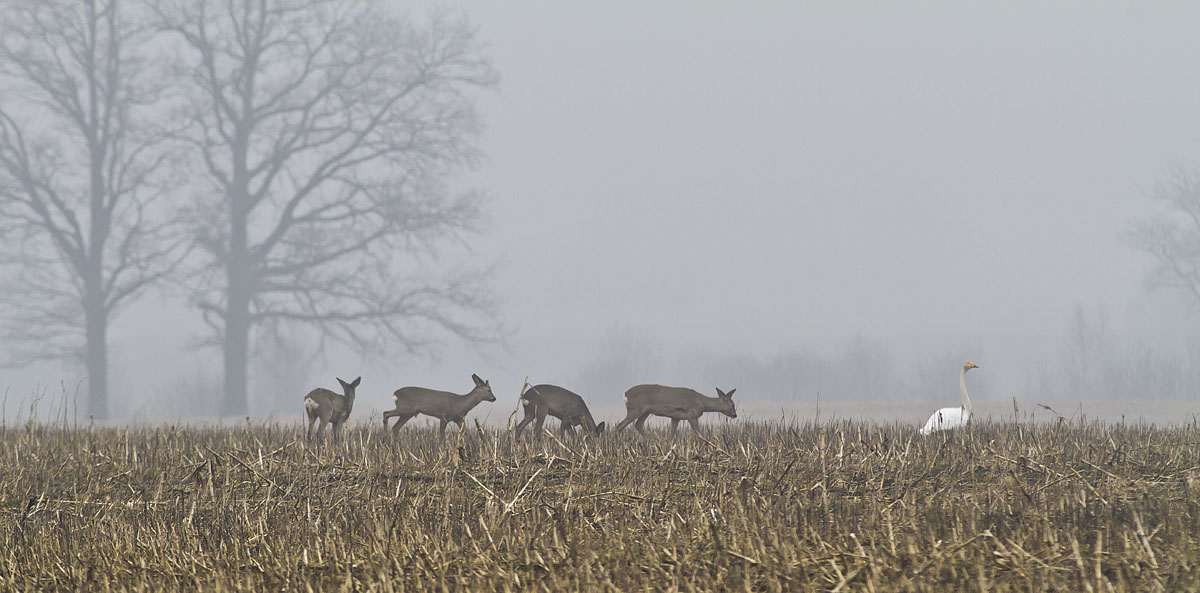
column 840, row 506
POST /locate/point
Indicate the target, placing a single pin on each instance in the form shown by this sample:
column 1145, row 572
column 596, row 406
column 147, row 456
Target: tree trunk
column 237, row 349
column 96, row 359
column 237, row 319
column 94, row 305
column 236, row 344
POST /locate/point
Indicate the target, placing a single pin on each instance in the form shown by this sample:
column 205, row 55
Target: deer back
column 442, row 404
column 434, row 402
column 659, row 399
column 328, row 402
column 556, row 399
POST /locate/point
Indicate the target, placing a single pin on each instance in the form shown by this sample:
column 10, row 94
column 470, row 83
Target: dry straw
column 840, row 506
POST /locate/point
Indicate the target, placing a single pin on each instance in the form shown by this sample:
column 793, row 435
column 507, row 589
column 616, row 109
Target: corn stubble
column 841, row 506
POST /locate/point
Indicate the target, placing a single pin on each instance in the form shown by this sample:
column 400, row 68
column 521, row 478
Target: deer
column 676, row 403
column 540, row 401
column 443, row 405
column 329, row 407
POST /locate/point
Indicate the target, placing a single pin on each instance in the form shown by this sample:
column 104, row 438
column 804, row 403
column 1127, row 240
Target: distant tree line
column 280, row 163
column 1089, row 362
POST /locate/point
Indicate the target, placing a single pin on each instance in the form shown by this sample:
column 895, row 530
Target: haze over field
column 843, row 199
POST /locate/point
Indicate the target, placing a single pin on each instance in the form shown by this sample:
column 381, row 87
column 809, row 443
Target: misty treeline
column 274, row 163
column 1097, row 362
column 1087, row 361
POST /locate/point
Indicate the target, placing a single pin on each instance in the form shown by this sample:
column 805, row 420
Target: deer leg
column 442, row 429
column 674, row 425
column 539, row 422
column 402, row 419
column 640, row 425
column 630, row 417
column 531, row 410
column 321, row 427
column 695, row 422
column 523, row 423
column 566, row 428
column 389, row 414
column 311, row 420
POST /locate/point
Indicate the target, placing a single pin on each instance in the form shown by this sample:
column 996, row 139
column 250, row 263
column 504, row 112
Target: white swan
column 951, row 418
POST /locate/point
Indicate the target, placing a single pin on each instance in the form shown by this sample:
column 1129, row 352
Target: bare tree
column 1088, row 352
column 624, row 358
column 76, row 169
column 329, row 132
column 1172, row 238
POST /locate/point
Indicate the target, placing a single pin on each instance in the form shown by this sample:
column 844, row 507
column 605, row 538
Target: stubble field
column 839, row 506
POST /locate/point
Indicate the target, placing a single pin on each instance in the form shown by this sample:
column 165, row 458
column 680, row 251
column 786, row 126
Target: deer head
column 348, row 388
column 483, row 389
column 726, row 403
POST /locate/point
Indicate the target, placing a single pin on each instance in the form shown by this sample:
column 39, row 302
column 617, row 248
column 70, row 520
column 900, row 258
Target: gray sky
column 822, row 169
column 721, row 177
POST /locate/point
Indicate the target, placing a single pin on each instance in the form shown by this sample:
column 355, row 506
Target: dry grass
column 758, row 507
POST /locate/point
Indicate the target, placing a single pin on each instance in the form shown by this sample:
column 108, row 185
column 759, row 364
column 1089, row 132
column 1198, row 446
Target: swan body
column 946, row 419
column 952, row 418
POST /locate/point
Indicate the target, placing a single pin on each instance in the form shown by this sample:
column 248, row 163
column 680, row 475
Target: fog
column 820, row 204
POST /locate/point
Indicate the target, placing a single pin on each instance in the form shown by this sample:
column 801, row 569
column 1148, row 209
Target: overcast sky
column 754, row 176
column 823, row 169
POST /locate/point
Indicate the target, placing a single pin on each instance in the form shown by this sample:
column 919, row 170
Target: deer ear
column 727, row 395
column 477, row 380
column 344, row 384
column 355, row 382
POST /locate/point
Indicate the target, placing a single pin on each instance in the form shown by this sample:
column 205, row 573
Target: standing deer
column 676, row 403
column 540, row 401
column 443, row 405
column 330, row 407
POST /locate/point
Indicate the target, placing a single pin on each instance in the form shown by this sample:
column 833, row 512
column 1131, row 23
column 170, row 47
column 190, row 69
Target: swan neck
column 962, row 388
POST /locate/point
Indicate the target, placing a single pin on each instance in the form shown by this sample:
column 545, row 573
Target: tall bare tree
column 330, row 132
column 77, row 162
column 1088, row 355
column 1172, row 237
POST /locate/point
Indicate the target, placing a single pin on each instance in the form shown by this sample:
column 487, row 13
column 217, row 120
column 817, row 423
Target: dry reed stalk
column 761, row 507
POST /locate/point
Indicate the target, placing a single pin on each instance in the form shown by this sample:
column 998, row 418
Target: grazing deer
column 676, row 403
column 443, row 405
column 330, row 407
column 540, row 401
